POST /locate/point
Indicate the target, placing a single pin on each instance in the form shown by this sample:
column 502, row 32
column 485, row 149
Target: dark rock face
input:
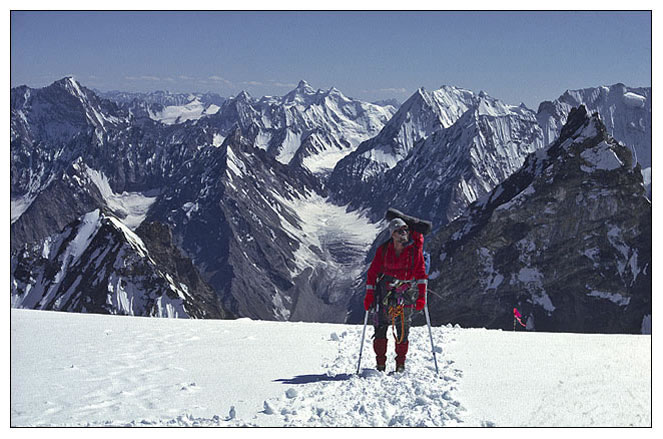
column 158, row 239
column 566, row 240
column 625, row 111
column 97, row 265
column 53, row 208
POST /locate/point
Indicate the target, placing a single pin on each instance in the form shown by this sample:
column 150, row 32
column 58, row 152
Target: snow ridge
column 134, row 285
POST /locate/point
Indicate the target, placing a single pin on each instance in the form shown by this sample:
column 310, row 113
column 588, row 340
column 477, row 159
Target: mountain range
column 273, row 204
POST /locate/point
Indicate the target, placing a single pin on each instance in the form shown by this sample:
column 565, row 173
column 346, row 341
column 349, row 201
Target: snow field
column 193, row 110
column 85, row 369
column 132, row 207
column 94, row 370
column 529, row 379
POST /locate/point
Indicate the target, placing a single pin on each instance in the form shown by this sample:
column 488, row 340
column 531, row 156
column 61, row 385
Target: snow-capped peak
column 67, row 95
column 68, row 83
column 418, row 117
column 85, row 231
column 488, row 106
column 73, row 85
column 309, row 128
column 243, row 96
column 625, row 111
column 303, row 85
column 336, row 93
column 301, row 94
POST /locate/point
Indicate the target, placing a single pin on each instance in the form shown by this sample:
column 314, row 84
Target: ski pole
column 361, row 347
column 430, row 334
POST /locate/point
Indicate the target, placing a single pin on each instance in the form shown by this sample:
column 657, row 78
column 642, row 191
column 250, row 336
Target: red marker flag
column 517, row 316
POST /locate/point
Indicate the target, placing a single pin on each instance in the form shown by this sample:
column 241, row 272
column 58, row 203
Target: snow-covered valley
column 93, row 370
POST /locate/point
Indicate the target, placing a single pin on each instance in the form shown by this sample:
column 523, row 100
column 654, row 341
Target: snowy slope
column 84, row 369
column 130, row 207
column 192, row 110
column 451, row 168
column 421, row 115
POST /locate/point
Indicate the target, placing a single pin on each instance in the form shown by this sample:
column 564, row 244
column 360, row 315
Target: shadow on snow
column 306, row 379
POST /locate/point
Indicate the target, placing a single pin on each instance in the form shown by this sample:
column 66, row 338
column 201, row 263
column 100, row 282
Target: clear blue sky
column 514, row 56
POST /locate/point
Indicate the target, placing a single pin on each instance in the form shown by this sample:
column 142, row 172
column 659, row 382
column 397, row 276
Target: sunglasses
column 402, row 231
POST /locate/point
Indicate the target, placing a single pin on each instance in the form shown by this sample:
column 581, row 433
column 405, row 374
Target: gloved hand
column 421, row 300
column 368, row 299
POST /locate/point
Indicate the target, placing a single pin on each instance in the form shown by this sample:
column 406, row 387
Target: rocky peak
column 418, row 99
column 419, row 117
column 625, row 112
column 96, row 264
column 565, row 239
column 300, row 94
column 243, row 96
column 304, row 86
column 334, row 92
column 70, row 84
column 454, row 166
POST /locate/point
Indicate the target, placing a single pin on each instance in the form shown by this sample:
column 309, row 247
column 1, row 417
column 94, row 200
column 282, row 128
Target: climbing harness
column 395, row 302
column 394, row 313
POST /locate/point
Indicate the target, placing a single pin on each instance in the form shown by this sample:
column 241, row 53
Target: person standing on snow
column 397, row 267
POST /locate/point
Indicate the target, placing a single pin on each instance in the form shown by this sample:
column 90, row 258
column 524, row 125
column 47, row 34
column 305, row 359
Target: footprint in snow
column 190, row 387
column 268, row 408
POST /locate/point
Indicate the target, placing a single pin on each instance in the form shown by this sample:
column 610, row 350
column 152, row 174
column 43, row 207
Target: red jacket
column 401, row 267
